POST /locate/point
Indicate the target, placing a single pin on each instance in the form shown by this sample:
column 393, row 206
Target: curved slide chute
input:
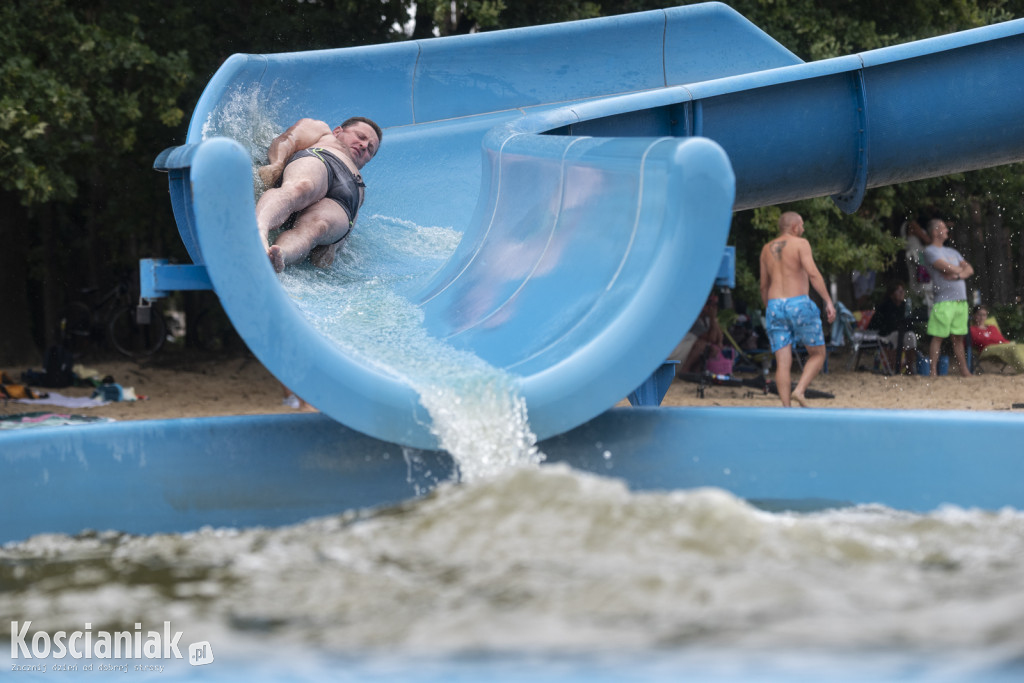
column 592, row 169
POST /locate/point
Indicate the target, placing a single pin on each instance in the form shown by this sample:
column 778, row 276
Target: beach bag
column 721, row 363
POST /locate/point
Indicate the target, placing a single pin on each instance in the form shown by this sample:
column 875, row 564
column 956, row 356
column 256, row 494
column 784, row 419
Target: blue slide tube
column 610, row 153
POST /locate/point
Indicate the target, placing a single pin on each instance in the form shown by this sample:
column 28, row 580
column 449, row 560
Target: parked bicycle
column 118, row 318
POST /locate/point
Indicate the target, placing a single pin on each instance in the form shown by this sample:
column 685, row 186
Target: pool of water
column 562, row 573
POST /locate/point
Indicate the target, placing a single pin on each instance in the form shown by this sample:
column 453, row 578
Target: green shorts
column 948, row 317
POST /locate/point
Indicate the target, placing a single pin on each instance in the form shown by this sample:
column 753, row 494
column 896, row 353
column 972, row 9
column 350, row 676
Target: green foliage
column 92, row 90
column 841, row 242
column 74, row 89
column 466, row 16
column 533, row 12
column 1011, row 320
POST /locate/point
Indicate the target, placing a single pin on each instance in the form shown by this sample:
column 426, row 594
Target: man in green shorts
column 948, row 270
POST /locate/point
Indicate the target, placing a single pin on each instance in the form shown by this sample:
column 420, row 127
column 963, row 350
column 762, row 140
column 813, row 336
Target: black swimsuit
column 343, row 186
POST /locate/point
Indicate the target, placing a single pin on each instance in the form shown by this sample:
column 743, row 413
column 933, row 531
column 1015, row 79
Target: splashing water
column 249, row 118
column 476, row 414
column 553, row 560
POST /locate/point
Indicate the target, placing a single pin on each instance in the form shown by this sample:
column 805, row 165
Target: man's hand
column 830, row 312
column 270, row 174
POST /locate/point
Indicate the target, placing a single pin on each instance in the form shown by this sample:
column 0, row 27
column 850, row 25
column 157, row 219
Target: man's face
column 939, row 231
column 360, row 140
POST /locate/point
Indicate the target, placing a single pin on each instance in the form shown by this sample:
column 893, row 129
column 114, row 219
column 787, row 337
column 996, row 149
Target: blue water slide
column 592, row 169
column 606, row 153
column 160, row 476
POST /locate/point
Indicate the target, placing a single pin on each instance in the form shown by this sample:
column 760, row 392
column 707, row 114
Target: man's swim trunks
column 342, row 185
column 796, row 317
column 948, row 317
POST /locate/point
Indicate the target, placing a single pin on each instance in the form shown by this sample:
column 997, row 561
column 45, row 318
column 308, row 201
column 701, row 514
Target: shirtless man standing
column 787, row 270
column 320, row 182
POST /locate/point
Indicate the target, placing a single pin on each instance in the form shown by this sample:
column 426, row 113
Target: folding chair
column 867, row 340
column 860, row 341
column 1002, row 356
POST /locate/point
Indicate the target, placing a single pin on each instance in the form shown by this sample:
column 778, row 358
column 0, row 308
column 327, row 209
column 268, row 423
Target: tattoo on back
column 777, row 249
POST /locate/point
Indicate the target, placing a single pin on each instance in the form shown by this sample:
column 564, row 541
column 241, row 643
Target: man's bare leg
column 320, row 225
column 959, row 353
column 815, row 362
column 783, row 365
column 910, row 361
column 323, row 256
column 273, row 209
column 304, row 184
column 696, row 351
column 933, row 354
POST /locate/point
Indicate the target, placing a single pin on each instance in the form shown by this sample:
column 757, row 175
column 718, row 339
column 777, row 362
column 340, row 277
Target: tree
column 90, row 92
column 468, row 16
column 78, row 87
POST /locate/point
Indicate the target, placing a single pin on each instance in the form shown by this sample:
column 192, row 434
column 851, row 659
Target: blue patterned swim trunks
column 796, row 317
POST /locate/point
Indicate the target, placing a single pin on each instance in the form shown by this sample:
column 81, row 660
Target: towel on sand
column 55, row 399
column 46, row 419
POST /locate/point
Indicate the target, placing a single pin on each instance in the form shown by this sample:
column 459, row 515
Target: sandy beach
column 180, row 384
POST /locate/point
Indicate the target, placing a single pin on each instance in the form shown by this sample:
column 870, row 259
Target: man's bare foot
column 276, row 258
column 323, row 256
column 799, row 398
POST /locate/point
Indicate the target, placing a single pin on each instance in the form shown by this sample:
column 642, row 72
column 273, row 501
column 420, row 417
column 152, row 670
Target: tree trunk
column 17, row 346
column 1000, row 257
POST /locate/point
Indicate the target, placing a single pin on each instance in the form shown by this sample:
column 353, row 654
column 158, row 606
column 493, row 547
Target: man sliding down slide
column 319, row 173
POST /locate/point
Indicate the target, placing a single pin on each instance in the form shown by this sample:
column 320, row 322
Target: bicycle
column 131, row 326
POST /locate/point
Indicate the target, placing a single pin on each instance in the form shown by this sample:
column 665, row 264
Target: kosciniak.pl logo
column 89, row 644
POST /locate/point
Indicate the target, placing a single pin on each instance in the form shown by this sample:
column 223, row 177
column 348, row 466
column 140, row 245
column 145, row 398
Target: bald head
column 791, row 222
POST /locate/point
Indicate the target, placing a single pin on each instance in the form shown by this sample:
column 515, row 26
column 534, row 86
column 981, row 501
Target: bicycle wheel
column 134, row 340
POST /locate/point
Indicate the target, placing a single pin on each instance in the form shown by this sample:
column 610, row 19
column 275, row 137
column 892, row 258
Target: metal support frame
column 158, row 278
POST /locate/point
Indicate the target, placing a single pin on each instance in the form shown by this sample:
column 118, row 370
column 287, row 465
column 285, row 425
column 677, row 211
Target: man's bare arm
column 765, row 278
column 962, row 271
column 951, row 272
column 816, row 280
column 301, row 135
